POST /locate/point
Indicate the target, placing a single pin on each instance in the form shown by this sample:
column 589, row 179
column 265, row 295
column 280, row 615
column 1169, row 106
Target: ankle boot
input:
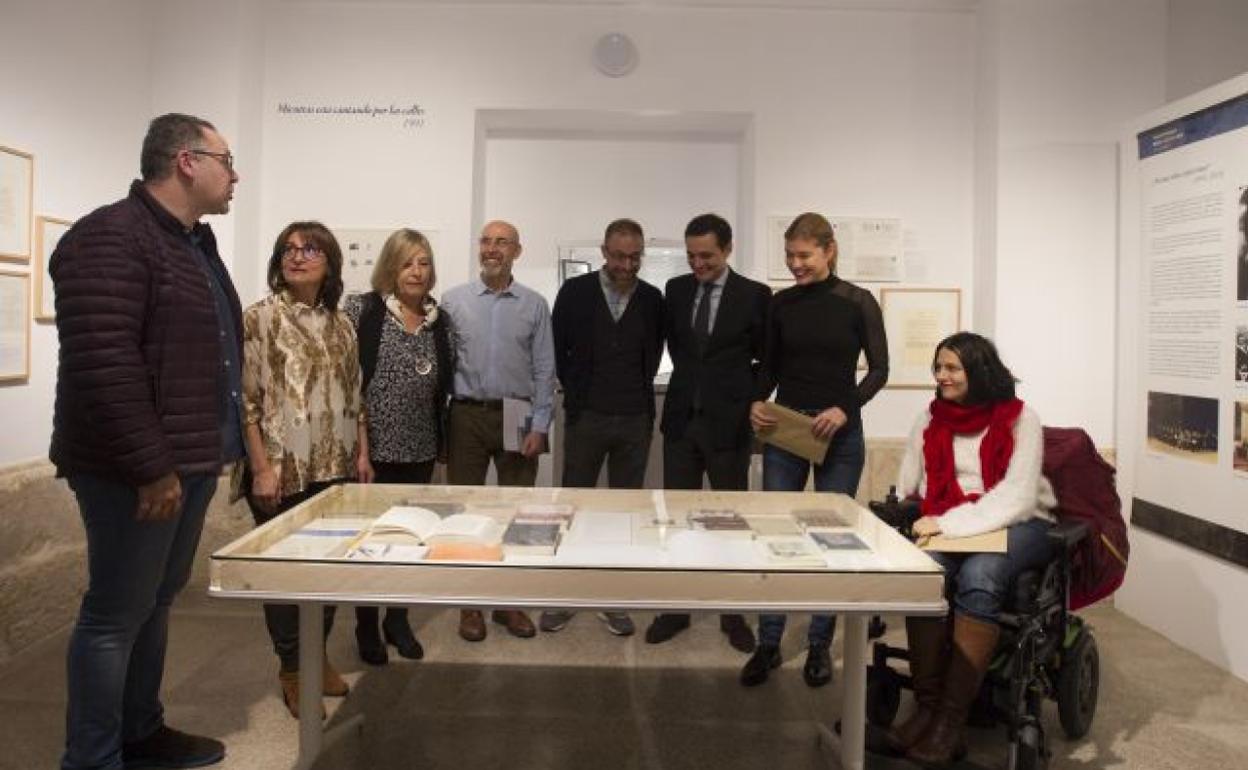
column 367, row 639
column 974, row 642
column 926, row 639
column 289, row 680
column 399, row 633
column 332, row 682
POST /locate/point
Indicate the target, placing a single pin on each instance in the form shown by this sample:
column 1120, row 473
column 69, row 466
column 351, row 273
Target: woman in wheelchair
column 974, row 459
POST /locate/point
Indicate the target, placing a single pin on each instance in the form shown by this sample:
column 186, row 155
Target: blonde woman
column 406, row 369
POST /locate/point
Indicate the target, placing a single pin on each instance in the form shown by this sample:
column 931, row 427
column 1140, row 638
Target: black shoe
column 167, row 747
column 765, row 658
column 372, row 651
column 666, row 626
column 818, row 669
column 398, row 633
column 740, row 635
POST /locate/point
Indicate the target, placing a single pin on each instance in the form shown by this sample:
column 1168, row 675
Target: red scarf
column 950, row 419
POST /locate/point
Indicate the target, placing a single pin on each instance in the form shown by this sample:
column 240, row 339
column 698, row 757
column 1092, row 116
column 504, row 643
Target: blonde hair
column 811, row 227
column 399, row 247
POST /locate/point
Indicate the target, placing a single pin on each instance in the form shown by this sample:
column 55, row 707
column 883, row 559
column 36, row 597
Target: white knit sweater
column 1023, row 494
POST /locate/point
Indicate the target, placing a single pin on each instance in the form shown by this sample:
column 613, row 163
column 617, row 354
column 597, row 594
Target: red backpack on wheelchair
column 1084, row 485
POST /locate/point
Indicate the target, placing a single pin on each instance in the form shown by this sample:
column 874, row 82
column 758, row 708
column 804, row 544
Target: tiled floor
column 585, row 699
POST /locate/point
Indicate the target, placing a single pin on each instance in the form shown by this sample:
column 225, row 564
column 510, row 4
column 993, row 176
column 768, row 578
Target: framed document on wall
column 915, row 320
column 14, row 327
column 17, row 180
column 48, row 232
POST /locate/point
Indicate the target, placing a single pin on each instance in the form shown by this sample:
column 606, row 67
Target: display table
column 624, row 550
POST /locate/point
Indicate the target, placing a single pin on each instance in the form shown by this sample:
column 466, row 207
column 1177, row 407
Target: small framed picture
column 914, row 321
column 48, row 232
column 17, row 181
column 14, row 327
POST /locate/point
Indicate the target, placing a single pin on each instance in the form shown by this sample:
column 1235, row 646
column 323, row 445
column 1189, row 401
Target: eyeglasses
column 226, row 158
column 501, row 243
column 309, row 252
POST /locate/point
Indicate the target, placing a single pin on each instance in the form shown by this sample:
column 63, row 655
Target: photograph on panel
column 1183, row 426
column 1241, row 438
column 1241, row 354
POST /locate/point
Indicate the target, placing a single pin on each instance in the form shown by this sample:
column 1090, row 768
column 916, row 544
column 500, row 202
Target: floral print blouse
column 301, row 385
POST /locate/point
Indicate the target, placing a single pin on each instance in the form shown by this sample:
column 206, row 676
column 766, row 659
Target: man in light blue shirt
column 503, row 349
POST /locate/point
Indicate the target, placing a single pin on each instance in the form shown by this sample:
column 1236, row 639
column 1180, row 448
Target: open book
column 428, row 527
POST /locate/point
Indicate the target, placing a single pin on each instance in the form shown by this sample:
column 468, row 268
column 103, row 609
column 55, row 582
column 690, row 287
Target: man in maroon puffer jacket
column 147, row 413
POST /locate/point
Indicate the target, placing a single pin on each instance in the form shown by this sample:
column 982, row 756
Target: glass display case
column 657, row 550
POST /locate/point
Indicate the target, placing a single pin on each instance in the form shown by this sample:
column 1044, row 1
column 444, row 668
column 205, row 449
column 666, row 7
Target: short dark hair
column 988, row 379
column 166, row 135
column 319, row 236
column 623, row 227
column 710, row 223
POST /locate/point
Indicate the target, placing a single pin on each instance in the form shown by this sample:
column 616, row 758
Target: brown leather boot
column 974, row 642
column 332, row 682
column 289, row 681
column 929, row 653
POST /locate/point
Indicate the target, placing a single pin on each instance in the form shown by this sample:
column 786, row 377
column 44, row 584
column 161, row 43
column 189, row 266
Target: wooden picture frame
column 914, row 321
column 48, row 232
column 17, row 183
column 14, row 327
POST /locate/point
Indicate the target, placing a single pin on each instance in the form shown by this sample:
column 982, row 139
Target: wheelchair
column 1045, row 653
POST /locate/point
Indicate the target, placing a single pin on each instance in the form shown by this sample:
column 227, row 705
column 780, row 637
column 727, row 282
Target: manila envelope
column 792, row 433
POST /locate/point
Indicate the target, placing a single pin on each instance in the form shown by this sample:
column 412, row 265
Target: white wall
column 1205, row 44
column 1069, row 74
column 856, row 113
column 661, row 184
column 84, row 125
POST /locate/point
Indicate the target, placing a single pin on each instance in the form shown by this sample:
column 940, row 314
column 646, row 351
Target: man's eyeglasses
column 501, row 243
column 309, row 252
column 226, row 158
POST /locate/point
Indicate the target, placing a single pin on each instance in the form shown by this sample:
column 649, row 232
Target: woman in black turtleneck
column 815, row 333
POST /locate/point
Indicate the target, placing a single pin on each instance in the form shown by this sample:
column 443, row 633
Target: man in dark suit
column 608, row 330
column 714, row 325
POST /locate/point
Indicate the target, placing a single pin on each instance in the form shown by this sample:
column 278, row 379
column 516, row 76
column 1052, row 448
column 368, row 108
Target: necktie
column 702, row 318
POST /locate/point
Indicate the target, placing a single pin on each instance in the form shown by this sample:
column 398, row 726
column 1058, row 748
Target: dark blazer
column 572, row 326
column 726, row 371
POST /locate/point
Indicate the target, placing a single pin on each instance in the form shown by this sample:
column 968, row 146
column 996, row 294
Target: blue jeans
column 976, row 584
column 786, row 472
column 117, row 649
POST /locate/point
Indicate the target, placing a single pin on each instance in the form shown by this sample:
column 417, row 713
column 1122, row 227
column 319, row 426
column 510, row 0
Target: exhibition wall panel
column 1184, row 316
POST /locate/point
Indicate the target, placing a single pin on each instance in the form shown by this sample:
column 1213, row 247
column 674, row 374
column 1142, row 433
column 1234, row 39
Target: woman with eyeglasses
column 405, row 362
column 304, row 421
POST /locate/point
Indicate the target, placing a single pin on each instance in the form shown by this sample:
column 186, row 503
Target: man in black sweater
column 608, row 330
column 715, row 326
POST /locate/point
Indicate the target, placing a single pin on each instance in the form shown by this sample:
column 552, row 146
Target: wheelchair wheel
column 1078, row 682
column 883, row 695
column 1028, row 752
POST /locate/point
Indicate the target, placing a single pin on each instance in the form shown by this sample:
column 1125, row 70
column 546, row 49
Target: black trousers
column 622, row 440
column 691, row 456
column 282, row 620
column 394, row 473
